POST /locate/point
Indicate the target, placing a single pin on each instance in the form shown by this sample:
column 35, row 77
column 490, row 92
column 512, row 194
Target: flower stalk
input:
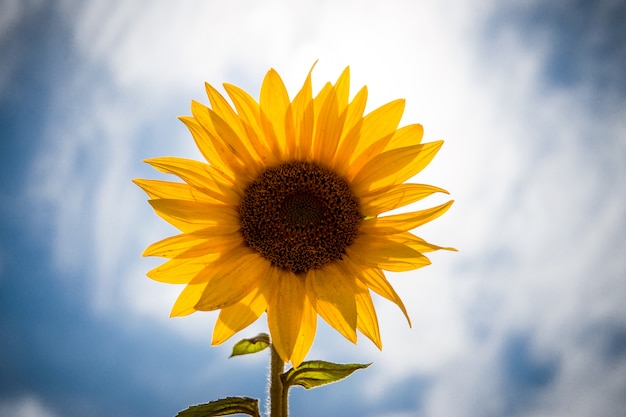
column 279, row 406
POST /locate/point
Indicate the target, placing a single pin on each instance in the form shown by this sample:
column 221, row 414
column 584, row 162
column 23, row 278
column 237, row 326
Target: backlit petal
column 376, row 131
column 395, row 196
column 225, row 112
column 250, row 115
column 416, row 243
column 285, row 310
column 274, row 104
column 192, row 245
column 394, row 166
column 328, row 128
column 173, row 190
column 211, row 148
column 233, row 279
column 186, row 302
column 342, row 89
column 381, row 252
column 239, row 315
column 405, row 221
column 303, row 117
column 367, row 320
column 181, row 271
column 409, row 135
column 308, row 325
column 332, row 294
column 198, row 213
column 203, row 177
column 375, row 280
column 351, row 132
column 232, row 148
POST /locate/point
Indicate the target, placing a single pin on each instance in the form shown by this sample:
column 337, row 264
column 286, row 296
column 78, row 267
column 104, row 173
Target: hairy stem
column 278, row 398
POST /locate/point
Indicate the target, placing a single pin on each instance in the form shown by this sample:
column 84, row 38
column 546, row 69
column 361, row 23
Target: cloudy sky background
column 527, row 319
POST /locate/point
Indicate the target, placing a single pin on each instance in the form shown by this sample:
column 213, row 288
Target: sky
column 527, row 319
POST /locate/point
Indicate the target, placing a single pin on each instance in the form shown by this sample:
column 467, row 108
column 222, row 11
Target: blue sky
column 527, row 319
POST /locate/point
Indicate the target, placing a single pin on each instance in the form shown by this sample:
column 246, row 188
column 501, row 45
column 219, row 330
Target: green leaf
column 313, row 374
column 224, row 407
column 252, row 345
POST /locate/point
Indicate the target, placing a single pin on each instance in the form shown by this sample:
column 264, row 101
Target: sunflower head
column 299, row 215
column 286, row 215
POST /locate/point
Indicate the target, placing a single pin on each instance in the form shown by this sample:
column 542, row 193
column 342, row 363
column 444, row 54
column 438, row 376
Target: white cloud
column 545, row 256
column 27, row 406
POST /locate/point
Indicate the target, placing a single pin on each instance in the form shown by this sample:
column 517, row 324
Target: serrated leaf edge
column 224, row 407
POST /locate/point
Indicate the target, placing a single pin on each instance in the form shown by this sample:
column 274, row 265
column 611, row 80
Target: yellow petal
column 409, row 135
column 243, row 136
column 381, row 252
column 238, row 316
column 183, row 226
column 367, row 321
column 332, row 295
column 223, row 110
column 304, row 119
column 320, row 99
column 250, row 114
column 394, row 196
column 197, row 213
column 172, row 190
column 186, row 301
column 328, row 128
column 250, row 162
column 417, row 243
column 285, row 310
column 394, row 166
column 374, row 279
column 181, row 271
column 233, row 279
column 306, row 335
column 342, row 89
column 354, row 117
column 274, row 103
column 404, row 264
column 211, row 148
column 225, row 138
column 405, row 221
column 351, row 132
column 191, row 245
column 190, row 216
column 201, row 176
column 376, row 131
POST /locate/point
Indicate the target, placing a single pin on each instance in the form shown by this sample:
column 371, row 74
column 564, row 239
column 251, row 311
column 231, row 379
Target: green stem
column 278, row 397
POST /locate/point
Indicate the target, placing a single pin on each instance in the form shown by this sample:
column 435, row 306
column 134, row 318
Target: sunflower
column 284, row 218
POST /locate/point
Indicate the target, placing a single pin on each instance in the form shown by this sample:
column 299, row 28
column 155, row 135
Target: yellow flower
column 284, row 217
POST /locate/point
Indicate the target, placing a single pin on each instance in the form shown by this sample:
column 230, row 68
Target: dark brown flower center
column 299, row 215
